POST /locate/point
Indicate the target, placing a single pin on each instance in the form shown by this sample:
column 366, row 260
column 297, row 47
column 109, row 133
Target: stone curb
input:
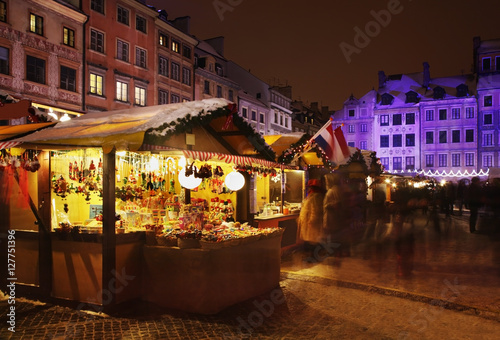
column 476, row 311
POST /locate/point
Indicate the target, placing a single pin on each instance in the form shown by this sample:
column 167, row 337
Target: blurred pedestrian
column 311, row 215
column 474, row 196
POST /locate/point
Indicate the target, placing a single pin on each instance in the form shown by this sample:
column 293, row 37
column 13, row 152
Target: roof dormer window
column 439, row 93
column 387, row 99
column 411, row 97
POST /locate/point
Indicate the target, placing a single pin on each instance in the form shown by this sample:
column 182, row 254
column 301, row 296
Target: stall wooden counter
column 288, row 222
column 207, row 281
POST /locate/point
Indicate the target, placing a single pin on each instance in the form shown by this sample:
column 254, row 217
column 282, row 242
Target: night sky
column 314, row 45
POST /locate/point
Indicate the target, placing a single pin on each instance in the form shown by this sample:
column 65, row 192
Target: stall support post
column 108, row 231
column 44, row 225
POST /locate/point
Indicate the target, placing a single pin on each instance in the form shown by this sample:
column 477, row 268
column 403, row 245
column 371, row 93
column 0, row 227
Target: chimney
column 182, row 24
column 314, row 106
column 217, row 43
column 476, row 43
column 427, row 75
column 381, row 79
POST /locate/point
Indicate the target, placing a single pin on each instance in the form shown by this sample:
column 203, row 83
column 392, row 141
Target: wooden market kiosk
column 102, row 264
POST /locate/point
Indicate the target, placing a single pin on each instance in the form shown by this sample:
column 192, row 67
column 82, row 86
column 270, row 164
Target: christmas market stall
column 153, row 203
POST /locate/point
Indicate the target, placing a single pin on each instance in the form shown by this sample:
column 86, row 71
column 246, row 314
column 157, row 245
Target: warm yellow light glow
column 154, row 164
column 234, row 181
column 189, row 182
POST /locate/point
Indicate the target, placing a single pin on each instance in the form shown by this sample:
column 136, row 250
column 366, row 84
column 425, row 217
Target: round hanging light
column 234, row 181
column 189, row 182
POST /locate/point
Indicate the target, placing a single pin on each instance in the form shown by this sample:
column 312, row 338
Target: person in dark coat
column 474, row 200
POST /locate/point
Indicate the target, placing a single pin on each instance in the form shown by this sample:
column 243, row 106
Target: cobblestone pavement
column 456, row 270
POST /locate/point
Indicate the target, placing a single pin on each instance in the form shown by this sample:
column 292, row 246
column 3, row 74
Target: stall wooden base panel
column 77, row 268
column 208, row 281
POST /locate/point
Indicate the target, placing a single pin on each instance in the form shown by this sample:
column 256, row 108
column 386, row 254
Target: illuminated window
column 385, row 162
column 140, row 96
column 163, row 40
column 96, row 84
column 35, row 69
column 36, row 24
column 363, row 145
column 363, row 127
column 352, row 128
column 455, row 113
column 175, row 46
column 121, row 91
column 68, row 79
column 455, row 159
column 68, row 37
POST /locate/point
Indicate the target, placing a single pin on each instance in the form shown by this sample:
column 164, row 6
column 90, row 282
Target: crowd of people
column 338, row 213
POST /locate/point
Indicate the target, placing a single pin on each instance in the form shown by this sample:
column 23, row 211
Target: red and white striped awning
column 205, row 156
column 8, row 144
column 230, row 159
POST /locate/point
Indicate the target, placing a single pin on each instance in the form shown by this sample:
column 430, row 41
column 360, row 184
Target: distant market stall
column 165, row 194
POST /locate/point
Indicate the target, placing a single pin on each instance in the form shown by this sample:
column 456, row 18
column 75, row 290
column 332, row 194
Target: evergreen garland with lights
column 158, row 136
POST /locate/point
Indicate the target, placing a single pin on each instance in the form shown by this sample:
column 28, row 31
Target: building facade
column 41, row 56
column 135, row 56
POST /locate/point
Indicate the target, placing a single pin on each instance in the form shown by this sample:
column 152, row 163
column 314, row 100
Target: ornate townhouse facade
column 41, row 54
column 253, row 98
column 135, row 56
column 487, row 67
column 211, row 80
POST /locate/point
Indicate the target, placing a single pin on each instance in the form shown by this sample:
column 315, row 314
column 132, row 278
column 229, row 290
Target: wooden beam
column 222, row 141
column 108, row 231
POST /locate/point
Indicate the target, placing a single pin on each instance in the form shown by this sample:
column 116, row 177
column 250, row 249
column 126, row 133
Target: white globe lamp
column 234, row 181
column 189, row 182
